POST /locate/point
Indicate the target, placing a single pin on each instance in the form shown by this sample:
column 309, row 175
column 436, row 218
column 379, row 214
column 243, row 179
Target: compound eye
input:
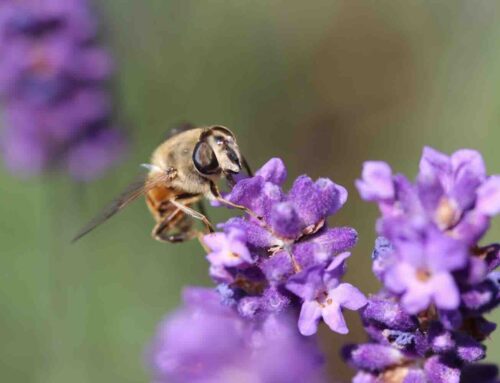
column 219, row 140
column 204, row 159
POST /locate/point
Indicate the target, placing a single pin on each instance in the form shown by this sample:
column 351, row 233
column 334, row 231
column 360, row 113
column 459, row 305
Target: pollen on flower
column 447, row 213
column 423, row 275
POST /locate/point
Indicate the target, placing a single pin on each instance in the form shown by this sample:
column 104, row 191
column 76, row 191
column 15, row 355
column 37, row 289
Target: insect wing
column 131, row 193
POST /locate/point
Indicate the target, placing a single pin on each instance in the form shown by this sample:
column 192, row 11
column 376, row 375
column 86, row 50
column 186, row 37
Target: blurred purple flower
column 423, row 270
column 210, row 343
column 53, row 78
column 427, row 324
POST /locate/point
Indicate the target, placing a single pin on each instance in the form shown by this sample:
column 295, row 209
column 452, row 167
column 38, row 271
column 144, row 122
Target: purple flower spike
column 286, row 256
column 438, row 281
column 53, row 87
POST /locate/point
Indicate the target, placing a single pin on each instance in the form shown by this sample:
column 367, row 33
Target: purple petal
column 434, row 164
column 376, row 182
column 488, row 197
column 270, row 196
column 321, row 247
column 348, row 296
column 395, row 279
column 247, row 193
column 273, row 300
column 255, row 234
column 220, row 274
column 439, row 372
column 314, row 201
column 336, row 240
column 444, row 253
column 471, row 227
column 278, row 267
column 468, row 349
column 375, row 357
column 446, row 294
column 417, row 297
column 310, row 314
column 256, row 194
column 407, row 195
column 430, row 192
column 440, row 339
column 228, row 249
column 215, row 241
column 335, row 270
column 469, row 172
column 333, row 317
column 482, row 296
column 364, row 377
column 338, row 262
column 492, row 256
column 468, row 161
column 414, row 375
column 307, row 283
column 273, row 171
column 284, row 220
column 389, row 313
column 451, row 320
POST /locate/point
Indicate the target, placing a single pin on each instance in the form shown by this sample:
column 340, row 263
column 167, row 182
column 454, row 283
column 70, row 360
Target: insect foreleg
column 246, row 166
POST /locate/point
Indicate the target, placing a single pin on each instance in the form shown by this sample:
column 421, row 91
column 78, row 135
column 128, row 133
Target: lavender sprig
column 53, row 77
column 288, row 257
column 427, row 323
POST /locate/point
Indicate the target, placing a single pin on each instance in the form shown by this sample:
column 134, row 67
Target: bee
column 183, row 171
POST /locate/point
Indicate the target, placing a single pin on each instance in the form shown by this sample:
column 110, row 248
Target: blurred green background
column 323, row 84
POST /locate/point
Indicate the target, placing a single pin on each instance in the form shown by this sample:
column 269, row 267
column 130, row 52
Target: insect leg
column 193, row 213
column 202, row 209
column 180, row 237
column 162, row 225
column 246, row 166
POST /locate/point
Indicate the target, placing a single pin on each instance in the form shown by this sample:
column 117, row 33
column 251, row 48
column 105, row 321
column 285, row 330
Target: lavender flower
column 56, row 110
column 206, row 342
column 324, row 296
column 427, row 324
column 285, row 255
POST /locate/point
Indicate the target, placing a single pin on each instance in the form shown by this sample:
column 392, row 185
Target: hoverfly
column 183, row 171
